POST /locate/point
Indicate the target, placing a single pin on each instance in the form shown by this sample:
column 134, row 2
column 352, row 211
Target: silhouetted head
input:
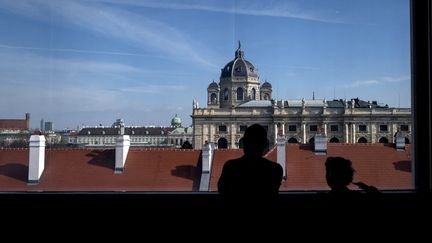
column 255, row 140
column 339, row 172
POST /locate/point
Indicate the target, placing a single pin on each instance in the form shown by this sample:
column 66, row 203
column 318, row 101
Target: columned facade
column 239, row 100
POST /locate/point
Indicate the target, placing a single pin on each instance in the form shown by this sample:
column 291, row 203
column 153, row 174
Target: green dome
column 176, row 121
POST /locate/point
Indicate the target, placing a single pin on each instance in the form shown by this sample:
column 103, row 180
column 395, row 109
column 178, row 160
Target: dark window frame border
column 176, row 202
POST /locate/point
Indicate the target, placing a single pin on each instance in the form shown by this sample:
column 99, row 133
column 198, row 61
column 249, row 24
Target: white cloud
column 258, row 8
column 396, row 79
column 153, row 89
column 371, row 82
column 77, row 51
column 118, row 24
column 357, row 84
column 39, row 83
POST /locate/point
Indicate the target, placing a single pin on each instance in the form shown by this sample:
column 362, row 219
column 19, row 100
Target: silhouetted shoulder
column 257, row 176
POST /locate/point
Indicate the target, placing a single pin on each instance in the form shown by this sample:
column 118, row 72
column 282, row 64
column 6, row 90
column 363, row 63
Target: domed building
column 239, row 83
column 176, row 121
column 240, row 100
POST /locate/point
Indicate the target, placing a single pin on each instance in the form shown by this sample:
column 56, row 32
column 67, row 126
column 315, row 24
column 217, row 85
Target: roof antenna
column 313, row 95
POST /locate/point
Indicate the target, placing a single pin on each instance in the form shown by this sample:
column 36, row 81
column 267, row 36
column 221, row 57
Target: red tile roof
column 375, row 164
column 13, row 124
column 220, row 157
column 93, row 170
column 180, row 170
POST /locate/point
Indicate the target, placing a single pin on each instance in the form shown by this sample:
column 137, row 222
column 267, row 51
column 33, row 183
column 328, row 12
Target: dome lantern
column 176, row 121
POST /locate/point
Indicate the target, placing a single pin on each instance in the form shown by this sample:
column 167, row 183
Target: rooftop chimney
column 281, row 154
column 121, row 152
column 36, row 158
column 320, row 142
column 400, row 142
column 207, row 155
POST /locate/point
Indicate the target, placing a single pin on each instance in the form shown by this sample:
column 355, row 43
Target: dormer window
column 238, row 69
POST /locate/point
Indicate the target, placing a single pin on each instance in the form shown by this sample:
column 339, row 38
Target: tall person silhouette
column 251, row 177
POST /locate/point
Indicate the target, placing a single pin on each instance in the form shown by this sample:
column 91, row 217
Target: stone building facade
column 150, row 136
column 240, row 100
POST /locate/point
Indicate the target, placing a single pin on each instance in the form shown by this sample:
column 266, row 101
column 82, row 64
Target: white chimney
column 400, row 142
column 207, row 155
column 281, row 154
column 36, row 158
column 121, row 152
column 320, row 142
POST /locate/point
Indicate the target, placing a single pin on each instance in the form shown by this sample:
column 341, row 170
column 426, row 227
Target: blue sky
column 92, row 61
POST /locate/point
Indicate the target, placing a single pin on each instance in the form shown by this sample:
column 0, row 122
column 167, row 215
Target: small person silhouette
column 251, row 178
column 340, row 173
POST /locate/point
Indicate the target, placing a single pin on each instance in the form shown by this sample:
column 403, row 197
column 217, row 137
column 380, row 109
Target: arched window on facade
column 362, row 140
column 253, row 95
column 239, row 93
column 213, row 98
column 383, row 140
column 407, row 141
column 334, row 140
column 225, row 94
column 292, row 140
column 266, row 96
column 312, row 140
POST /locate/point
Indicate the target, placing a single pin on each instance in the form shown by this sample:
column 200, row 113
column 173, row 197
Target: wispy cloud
column 371, row 82
column 21, row 66
column 152, row 89
column 114, row 23
column 363, row 83
column 56, row 84
column 250, row 7
column 396, row 79
column 78, row 51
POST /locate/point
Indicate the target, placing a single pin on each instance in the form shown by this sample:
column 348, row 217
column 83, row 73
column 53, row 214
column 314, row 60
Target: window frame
column 310, row 128
column 421, row 55
column 335, row 130
column 382, row 126
column 222, row 130
column 290, row 126
column 365, row 126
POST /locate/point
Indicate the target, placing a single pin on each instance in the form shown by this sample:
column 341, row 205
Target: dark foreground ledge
column 406, row 204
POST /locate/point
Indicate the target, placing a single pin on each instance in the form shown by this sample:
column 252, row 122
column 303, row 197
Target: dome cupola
column 213, row 85
column 239, row 67
column 266, row 85
column 176, row 121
